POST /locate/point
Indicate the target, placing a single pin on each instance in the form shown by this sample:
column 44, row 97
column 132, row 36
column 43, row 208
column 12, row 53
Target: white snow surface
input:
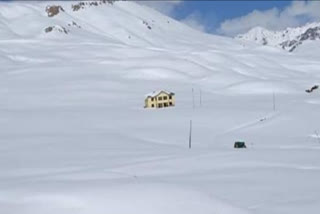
column 75, row 137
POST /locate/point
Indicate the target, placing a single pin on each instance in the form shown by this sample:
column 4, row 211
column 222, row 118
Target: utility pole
column 190, row 134
column 200, row 98
column 274, row 101
column 193, row 99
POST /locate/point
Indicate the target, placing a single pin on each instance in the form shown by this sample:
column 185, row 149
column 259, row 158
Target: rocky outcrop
column 74, row 24
column 62, row 29
column 147, row 24
column 83, row 5
column 53, row 10
column 309, row 34
column 57, row 28
column 289, row 39
column 290, row 45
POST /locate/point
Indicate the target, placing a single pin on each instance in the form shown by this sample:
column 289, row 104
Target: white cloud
column 297, row 13
column 307, row 8
column 165, row 7
column 195, row 20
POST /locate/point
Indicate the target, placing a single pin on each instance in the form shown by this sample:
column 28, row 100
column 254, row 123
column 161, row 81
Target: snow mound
column 125, row 199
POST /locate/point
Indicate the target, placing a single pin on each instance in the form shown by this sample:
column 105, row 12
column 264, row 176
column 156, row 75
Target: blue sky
column 233, row 17
column 214, row 12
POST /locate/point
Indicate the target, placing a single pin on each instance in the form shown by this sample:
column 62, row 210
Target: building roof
column 156, row 93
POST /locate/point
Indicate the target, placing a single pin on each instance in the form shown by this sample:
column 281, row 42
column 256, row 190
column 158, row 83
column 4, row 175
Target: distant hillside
column 289, row 39
column 117, row 22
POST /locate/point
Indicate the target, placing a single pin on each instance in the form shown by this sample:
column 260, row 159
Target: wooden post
column 190, row 134
column 200, row 98
column 274, row 101
column 193, row 100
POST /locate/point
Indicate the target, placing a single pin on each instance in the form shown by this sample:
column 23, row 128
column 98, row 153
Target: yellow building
column 159, row 99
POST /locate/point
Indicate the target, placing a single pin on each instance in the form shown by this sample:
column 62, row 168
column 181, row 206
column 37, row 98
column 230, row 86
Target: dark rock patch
column 146, row 24
column 48, row 29
column 53, row 10
column 83, row 5
column 75, row 24
column 310, row 34
column 56, row 28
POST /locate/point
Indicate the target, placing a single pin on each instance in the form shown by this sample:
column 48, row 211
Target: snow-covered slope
column 75, row 138
column 119, row 23
column 288, row 39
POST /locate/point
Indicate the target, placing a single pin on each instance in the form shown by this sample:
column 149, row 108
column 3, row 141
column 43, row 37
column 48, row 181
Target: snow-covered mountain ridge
column 120, row 22
column 288, row 39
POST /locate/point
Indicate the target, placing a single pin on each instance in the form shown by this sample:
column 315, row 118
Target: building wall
column 161, row 99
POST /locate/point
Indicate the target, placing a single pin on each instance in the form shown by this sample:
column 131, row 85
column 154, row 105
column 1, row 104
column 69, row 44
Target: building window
column 165, row 104
column 159, row 98
column 152, row 106
column 170, row 97
column 165, row 98
column 160, row 105
column 152, row 99
column 170, row 104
